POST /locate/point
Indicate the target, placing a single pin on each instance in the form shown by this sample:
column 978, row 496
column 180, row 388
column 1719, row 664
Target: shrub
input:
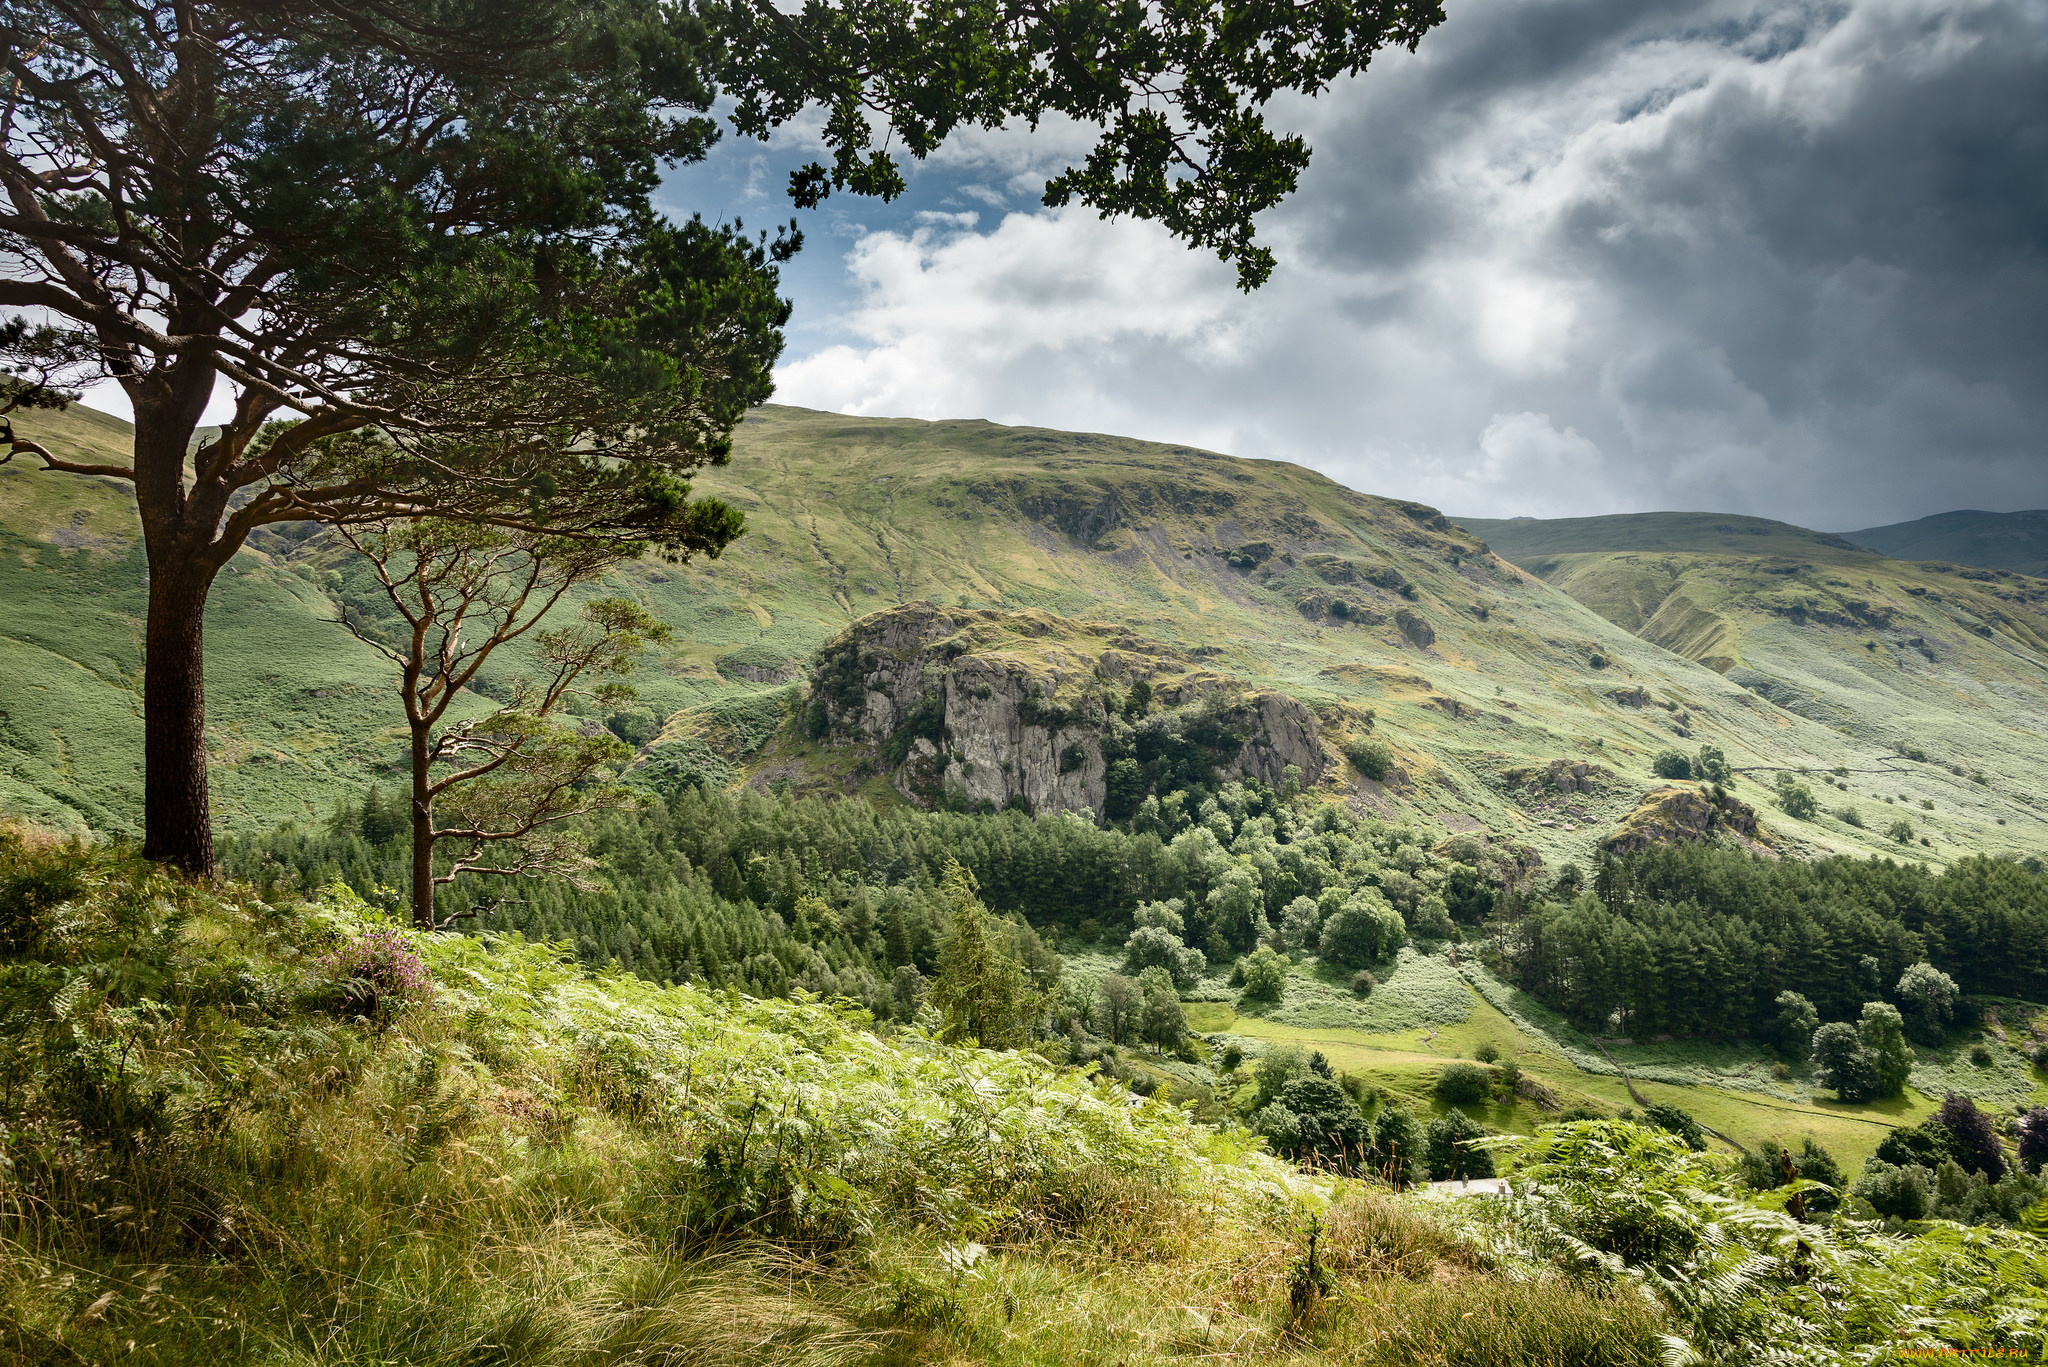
column 1463, row 1084
column 1671, row 764
column 1795, row 799
column 1363, row 982
column 1372, row 758
column 1597, row 660
column 1678, row 1122
column 1901, row 831
column 377, row 971
column 1974, row 1142
column 1451, row 1155
column 1901, row 1193
column 1488, row 1052
column 1926, row 1145
column 1265, row 975
column 1980, row 1054
column 1849, row 816
column 1231, row 1057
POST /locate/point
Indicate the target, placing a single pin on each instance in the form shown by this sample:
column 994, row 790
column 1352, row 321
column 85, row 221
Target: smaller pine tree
column 981, row 989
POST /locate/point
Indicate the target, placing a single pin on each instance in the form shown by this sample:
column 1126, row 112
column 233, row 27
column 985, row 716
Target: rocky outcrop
column 1686, row 816
column 1032, row 709
column 1562, row 776
column 1416, row 628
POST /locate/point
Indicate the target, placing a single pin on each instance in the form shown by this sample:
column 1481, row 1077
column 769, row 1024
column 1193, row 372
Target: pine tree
column 981, row 988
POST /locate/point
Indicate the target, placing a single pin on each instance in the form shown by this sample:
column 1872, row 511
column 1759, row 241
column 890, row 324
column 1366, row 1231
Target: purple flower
column 378, row 970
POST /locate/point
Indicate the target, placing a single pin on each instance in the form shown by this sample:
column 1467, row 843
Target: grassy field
column 1407, row 1060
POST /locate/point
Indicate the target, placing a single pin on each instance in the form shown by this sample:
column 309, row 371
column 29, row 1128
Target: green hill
column 1475, row 673
column 1927, row 657
column 1992, row 541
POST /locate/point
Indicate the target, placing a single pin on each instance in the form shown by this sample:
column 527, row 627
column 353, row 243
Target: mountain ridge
column 1269, row 573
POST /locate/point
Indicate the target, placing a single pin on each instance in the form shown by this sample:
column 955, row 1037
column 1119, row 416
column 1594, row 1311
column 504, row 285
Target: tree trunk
column 422, row 831
column 177, row 821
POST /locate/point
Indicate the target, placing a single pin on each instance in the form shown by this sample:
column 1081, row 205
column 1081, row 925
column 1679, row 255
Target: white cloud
column 1572, row 256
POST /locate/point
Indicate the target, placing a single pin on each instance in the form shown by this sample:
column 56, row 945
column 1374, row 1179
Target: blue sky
column 1572, row 256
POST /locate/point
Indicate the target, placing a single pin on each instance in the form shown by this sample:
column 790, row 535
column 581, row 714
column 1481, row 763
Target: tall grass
column 211, row 1158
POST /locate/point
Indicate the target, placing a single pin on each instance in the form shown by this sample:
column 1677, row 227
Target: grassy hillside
column 1938, row 658
column 1992, row 541
column 295, row 707
column 1477, row 673
column 241, row 1132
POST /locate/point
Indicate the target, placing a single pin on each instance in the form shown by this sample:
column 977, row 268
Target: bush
column 1764, row 1170
column 1671, row 764
column 1980, row 1054
column 1450, row 1151
column 1488, row 1052
column 1374, row 759
column 1795, row 799
column 1678, row 1122
column 1363, row 982
column 1901, row 1193
column 378, row 971
column 1463, row 1084
column 1901, row 831
column 1597, row 660
column 1849, row 816
column 1265, row 975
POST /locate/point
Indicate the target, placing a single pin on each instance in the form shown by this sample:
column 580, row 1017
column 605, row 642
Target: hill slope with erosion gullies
column 1934, row 657
column 1371, row 613
column 1264, row 579
column 1991, row 541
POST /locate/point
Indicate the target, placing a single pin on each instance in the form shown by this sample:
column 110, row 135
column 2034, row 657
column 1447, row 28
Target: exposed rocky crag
column 1686, row 815
column 989, row 708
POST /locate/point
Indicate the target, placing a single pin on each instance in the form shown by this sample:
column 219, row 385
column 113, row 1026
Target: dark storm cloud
column 1783, row 259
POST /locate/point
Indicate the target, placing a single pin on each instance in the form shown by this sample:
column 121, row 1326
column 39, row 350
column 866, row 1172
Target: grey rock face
column 1000, row 706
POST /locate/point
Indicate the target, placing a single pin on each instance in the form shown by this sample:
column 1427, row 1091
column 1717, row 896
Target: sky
column 1570, row 257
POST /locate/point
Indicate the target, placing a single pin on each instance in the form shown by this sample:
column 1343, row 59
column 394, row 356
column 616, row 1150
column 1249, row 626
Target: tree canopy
column 414, row 240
